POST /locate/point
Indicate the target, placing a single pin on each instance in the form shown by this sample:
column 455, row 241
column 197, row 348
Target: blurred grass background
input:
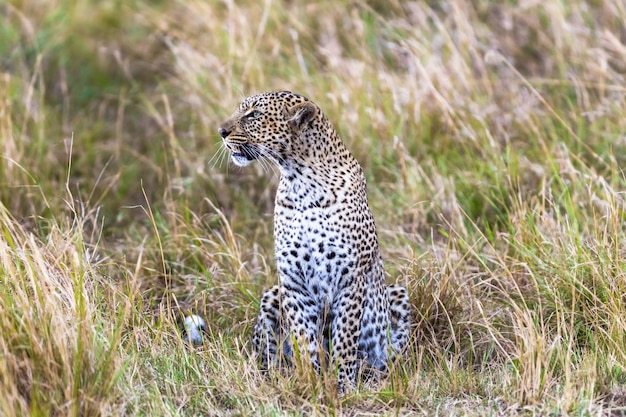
column 492, row 135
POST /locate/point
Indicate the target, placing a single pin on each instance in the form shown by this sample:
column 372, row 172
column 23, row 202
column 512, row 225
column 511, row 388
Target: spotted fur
column 331, row 298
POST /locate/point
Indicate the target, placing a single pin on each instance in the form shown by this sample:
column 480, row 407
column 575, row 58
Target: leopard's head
column 267, row 125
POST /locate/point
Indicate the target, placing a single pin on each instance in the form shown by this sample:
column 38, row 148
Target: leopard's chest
column 315, row 247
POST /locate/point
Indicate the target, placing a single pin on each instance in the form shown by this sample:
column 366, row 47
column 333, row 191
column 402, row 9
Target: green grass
column 492, row 138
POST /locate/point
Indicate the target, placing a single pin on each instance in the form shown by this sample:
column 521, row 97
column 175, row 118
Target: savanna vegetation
column 493, row 137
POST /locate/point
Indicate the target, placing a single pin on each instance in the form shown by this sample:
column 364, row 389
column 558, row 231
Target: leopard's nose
column 223, row 132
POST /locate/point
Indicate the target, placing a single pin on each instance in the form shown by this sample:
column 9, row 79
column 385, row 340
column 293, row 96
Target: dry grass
column 492, row 137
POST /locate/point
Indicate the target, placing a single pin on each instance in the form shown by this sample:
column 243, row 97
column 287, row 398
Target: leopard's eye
column 254, row 114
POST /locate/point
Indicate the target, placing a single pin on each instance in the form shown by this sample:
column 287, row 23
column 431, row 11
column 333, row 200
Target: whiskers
column 218, row 159
column 267, row 159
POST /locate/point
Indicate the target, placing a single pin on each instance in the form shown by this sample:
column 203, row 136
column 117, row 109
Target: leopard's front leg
column 301, row 320
column 345, row 334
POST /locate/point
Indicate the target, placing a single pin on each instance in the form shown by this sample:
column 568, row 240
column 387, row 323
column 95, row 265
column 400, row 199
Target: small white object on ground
column 194, row 325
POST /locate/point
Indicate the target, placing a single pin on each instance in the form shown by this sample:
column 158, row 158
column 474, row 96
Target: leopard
column 331, row 302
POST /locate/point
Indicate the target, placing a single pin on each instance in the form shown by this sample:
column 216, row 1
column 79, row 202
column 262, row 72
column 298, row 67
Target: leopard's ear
column 301, row 114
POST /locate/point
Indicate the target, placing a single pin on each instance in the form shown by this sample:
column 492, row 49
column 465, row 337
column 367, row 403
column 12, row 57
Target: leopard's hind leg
column 400, row 317
column 269, row 343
